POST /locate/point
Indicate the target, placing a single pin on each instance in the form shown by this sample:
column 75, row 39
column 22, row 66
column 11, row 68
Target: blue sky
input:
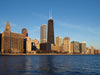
column 77, row 19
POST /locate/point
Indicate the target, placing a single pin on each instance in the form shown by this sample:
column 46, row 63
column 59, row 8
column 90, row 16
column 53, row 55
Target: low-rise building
column 36, row 43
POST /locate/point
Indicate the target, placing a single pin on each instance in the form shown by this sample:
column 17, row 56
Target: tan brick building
column 11, row 42
column 66, row 44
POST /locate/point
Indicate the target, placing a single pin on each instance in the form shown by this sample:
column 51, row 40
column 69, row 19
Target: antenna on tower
column 50, row 14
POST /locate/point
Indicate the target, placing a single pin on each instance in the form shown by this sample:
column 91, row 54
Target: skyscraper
column 66, row 44
column 43, row 37
column 50, row 38
column 58, row 43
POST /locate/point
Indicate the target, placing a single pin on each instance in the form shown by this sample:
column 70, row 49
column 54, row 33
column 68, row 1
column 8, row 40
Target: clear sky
column 77, row 19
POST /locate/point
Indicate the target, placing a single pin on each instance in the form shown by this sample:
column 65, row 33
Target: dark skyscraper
column 50, row 38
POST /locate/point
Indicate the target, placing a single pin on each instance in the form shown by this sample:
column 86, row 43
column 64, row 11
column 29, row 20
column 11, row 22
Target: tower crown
column 7, row 27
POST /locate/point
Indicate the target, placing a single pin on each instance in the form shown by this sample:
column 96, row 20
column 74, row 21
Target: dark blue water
column 50, row 65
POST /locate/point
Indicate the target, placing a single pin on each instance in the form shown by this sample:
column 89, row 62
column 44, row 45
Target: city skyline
column 83, row 26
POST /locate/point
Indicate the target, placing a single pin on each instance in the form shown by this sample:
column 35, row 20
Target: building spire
column 7, row 23
column 50, row 14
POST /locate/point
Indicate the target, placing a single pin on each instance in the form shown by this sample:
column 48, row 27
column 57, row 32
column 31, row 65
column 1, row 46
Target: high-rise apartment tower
column 43, row 37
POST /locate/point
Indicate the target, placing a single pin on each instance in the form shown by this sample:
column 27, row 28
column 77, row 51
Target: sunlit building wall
column 66, row 44
column 43, row 38
column 92, row 50
column 58, row 43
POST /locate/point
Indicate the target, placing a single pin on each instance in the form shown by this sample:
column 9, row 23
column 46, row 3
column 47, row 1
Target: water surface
column 50, row 65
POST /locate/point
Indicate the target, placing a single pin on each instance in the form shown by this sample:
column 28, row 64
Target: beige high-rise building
column 43, row 38
column 66, row 44
column 28, row 45
column 92, row 50
column 71, row 48
column 58, row 43
column 36, row 43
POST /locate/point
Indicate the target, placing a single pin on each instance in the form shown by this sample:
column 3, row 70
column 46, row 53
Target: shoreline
column 27, row 54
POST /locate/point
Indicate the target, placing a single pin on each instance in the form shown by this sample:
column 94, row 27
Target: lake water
column 50, row 65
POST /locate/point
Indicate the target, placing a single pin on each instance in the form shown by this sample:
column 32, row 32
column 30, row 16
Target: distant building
column 71, row 48
column 45, row 47
column 83, row 47
column 53, row 47
column 99, row 51
column 0, row 41
column 66, row 44
column 96, row 51
column 87, row 50
column 36, row 43
column 27, row 45
column 50, row 37
column 75, row 47
column 11, row 42
column 58, row 43
column 43, row 38
column 25, row 32
column 92, row 50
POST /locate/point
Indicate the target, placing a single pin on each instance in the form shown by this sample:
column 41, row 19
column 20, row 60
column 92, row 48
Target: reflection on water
column 50, row 65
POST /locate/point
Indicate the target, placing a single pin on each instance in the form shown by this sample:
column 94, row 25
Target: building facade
column 83, row 47
column 71, row 48
column 11, row 42
column 58, row 43
column 43, row 36
column 0, row 41
column 50, row 37
column 27, row 45
column 66, row 44
column 75, row 47
column 36, row 43
column 92, row 50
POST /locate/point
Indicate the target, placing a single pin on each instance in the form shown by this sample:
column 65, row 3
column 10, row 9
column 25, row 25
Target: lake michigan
column 50, row 65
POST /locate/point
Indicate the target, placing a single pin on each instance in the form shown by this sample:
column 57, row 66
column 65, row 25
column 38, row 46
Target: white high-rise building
column 43, row 37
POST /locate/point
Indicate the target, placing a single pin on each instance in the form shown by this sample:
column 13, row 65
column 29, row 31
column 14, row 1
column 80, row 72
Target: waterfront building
column 92, row 50
column 66, row 44
column 45, row 47
column 0, row 41
column 71, row 48
column 11, row 42
column 43, row 36
column 96, row 51
column 87, row 50
column 50, row 37
column 25, row 32
column 36, row 43
column 53, row 47
column 75, row 47
column 83, row 47
column 58, row 43
column 99, row 51
column 27, row 45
